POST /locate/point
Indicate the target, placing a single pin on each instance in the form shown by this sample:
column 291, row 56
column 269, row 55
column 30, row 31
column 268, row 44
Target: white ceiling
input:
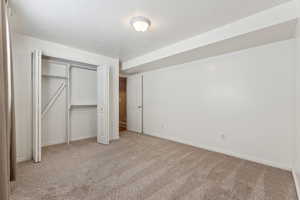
column 102, row 26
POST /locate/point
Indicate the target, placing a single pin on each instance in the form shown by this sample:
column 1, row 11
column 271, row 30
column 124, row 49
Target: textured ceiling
column 102, row 26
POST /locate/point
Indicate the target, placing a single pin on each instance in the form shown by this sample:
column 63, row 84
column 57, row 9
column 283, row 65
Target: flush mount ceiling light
column 140, row 24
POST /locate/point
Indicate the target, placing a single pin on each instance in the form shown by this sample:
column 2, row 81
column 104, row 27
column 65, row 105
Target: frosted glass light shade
column 140, row 24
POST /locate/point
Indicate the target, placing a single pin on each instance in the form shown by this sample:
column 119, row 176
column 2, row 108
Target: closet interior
column 70, row 102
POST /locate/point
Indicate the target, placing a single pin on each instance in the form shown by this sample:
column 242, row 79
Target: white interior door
column 103, row 104
column 37, row 104
column 134, row 103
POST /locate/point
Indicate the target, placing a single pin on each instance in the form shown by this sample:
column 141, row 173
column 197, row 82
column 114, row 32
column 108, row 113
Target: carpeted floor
column 144, row 167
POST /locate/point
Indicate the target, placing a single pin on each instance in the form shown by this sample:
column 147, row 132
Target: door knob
column 139, row 106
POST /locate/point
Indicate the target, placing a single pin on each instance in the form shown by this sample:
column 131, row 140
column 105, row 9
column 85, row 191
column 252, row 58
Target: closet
column 70, row 102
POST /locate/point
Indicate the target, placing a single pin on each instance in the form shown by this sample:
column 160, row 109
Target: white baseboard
column 230, row 153
column 116, row 135
column 296, row 179
column 22, row 159
column 83, row 138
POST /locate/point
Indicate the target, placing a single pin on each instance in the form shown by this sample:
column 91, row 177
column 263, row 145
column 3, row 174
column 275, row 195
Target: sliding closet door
column 36, row 104
column 103, row 104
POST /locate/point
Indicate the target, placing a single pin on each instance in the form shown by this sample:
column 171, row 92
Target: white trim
column 68, row 99
column 230, row 153
column 115, row 137
column 115, row 95
column 296, row 180
column 83, row 138
column 22, row 159
column 36, row 105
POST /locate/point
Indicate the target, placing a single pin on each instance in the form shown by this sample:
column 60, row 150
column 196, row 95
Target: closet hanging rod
column 54, row 76
column 87, row 68
column 83, row 105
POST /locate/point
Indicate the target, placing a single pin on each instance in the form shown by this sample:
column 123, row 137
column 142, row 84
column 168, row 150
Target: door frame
column 36, row 79
column 124, row 78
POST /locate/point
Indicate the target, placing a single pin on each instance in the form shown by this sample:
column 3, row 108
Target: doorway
column 122, row 104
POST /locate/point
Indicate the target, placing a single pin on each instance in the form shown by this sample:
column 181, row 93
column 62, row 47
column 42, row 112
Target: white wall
column 296, row 164
column 249, row 96
column 22, row 48
column 83, row 120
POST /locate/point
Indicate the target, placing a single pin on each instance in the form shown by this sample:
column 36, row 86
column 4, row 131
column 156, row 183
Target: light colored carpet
column 144, row 167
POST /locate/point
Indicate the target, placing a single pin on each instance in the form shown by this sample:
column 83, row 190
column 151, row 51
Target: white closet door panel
column 53, row 68
column 37, row 104
column 134, row 103
column 103, row 128
column 84, row 123
column 83, row 87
